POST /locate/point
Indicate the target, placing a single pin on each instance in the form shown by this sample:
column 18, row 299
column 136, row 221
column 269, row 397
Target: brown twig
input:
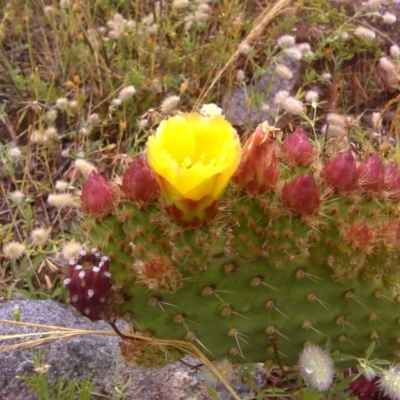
column 190, row 365
column 118, row 332
column 274, row 345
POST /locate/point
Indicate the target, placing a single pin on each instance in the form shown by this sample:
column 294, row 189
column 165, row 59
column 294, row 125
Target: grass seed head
column 169, row 104
column 293, row 105
column 394, row 51
column 364, row 33
column 126, row 93
column 85, row 167
column 14, row 250
column 280, row 97
column 71, row 249
column 389, row 383
column 389, row 18
column 286, row 41
column 62, row 103
column 17, row 196
column 61, row 200
column 283, row 72
column 316, row 367
column 93, row 119
column 40, row 236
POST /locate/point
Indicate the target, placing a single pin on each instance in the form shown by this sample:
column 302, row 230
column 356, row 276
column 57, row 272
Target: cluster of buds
column 258, row 172
column 89, row 284
column 138, row 185
column 371, row 176
column 192, row 184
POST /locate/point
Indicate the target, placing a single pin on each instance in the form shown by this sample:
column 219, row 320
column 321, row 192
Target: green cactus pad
column 259, row 279
column 274, row 279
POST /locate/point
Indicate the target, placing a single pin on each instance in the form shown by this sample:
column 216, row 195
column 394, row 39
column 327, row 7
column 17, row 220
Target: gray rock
column 80, row 356
column 254, row 104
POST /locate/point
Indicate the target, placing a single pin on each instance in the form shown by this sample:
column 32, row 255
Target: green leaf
column 212, row 392
column 370, row 350
column 273, row 391
column 381, row 362
column 344, row 384
column 308, row 394
column 342, row 357
column 328, row 345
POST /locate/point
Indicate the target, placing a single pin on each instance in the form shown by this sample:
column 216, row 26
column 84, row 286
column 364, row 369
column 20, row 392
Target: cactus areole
column 233, row 249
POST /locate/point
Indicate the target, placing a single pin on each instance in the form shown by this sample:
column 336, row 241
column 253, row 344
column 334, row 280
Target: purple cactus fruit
column 367, row 390
column 89, row 283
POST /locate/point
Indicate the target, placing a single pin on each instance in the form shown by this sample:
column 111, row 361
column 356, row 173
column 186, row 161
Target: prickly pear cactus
column 243, row 251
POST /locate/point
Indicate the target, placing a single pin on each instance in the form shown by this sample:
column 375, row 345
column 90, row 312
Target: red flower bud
column 89, row 284
column 301, row 195
column 360, row 236
column 372, row 174
column 97, row 195
column 341, row 173
column 392, row 180
column 139, row 183
column 297, row 150
column 258, row 169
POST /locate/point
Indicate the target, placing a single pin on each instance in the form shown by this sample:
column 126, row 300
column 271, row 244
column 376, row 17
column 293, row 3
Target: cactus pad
column 315, row 257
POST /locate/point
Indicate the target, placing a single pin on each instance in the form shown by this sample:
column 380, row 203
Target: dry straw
column 52, row 332
column 265, row 18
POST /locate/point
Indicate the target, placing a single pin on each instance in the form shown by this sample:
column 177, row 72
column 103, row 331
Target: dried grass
column 52, row 332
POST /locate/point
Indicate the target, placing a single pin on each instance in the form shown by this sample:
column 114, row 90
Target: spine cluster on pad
column 299, row 249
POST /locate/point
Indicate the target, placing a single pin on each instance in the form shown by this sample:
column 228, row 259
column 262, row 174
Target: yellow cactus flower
column 193, row 158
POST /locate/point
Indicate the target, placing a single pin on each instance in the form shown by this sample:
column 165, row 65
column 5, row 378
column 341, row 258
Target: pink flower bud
column 139, row 183
column 97, row 195
column 258, row 169
column 392, row 180
column 297, row 150
column 372, row 174
column 360, row 236
column 341, row 173
column 301, row 195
